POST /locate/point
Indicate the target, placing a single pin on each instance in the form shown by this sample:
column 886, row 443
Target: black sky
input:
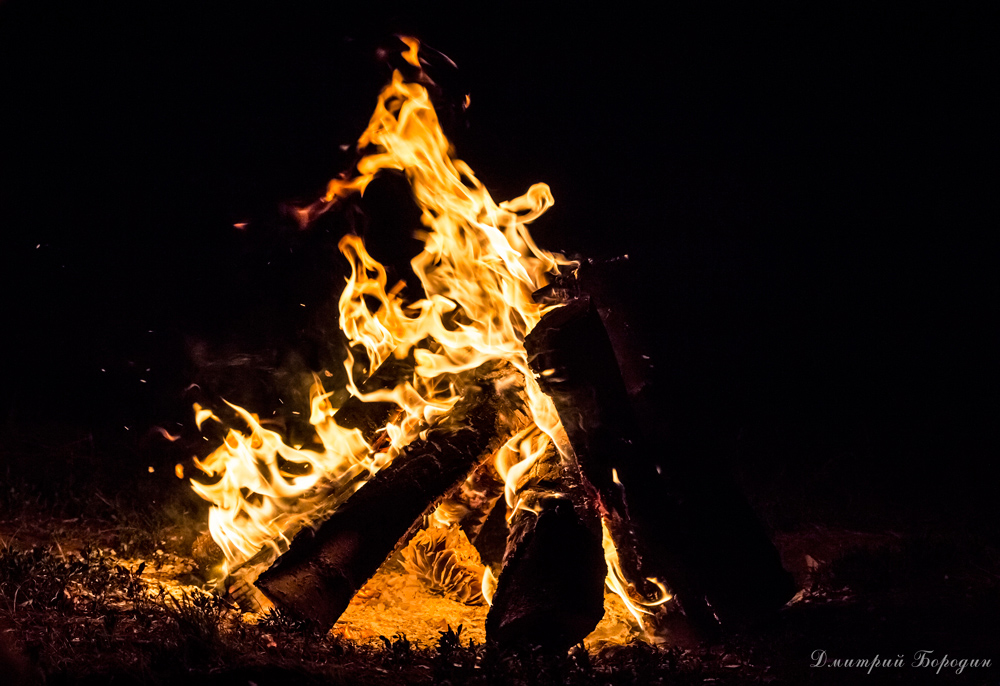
column 806, row 199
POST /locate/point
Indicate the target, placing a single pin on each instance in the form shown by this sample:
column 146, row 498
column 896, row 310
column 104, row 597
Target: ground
column 98, row 590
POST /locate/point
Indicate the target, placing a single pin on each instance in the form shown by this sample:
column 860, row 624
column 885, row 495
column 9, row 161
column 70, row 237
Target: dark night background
column 803, row 196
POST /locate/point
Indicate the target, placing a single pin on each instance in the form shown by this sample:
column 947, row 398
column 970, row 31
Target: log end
column 551, row 591
column 308, row 593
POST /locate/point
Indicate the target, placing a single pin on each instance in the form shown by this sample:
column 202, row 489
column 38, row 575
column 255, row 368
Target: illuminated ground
column 104, row 601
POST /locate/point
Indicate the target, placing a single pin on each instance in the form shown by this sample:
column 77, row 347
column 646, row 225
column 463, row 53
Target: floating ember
column 455, row 413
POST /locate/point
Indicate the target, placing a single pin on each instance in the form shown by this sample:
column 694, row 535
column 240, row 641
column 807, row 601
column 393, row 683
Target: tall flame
column 479, row 268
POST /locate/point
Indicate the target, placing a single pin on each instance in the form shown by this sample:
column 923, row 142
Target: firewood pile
column 500, row 385
column 612, row 482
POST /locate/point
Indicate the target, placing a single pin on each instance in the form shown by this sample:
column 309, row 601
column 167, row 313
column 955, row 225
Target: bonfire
column 497, row 385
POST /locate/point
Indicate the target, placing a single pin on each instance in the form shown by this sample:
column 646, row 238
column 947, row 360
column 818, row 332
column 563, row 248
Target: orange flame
column 617, row 582
column 479, row 268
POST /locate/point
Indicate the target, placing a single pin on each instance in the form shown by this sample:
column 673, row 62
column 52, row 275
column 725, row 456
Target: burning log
column 651, row 514
column 551, row 588
column 471, row 503
column 368, row 418
column 323, row 569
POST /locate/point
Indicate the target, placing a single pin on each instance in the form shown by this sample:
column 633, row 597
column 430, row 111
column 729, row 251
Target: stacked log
column 551, row 587
column 670, row 519
column 654, row 509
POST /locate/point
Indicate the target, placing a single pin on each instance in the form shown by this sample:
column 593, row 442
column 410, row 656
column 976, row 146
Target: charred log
column 551, row 588
column 323, row 568
column 370, row 417
column 471, row 503
column 655, row 511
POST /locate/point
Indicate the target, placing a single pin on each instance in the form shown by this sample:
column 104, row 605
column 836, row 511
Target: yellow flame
column 201, row 415
column 411, row 55
column 489, row 586
column 617, row 582
column 479, row 268
column 514, row 460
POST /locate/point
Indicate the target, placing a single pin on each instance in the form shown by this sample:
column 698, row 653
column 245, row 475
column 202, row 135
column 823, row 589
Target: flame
column 479, row 268
column 489, row 586
column 617, row 582
column 201, row 415
column 513, row 462
column 166, row 434
column 411, row 55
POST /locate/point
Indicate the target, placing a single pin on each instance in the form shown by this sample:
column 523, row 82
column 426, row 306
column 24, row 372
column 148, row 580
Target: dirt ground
column 111, row 599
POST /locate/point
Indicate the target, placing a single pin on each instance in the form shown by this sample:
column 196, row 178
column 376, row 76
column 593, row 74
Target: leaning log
column 550, row 592
column 367, row 417
column 656, row 518
column 470, row 504
column 323, row 568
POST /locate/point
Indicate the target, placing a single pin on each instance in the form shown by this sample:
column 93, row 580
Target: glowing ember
column 478, row 269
